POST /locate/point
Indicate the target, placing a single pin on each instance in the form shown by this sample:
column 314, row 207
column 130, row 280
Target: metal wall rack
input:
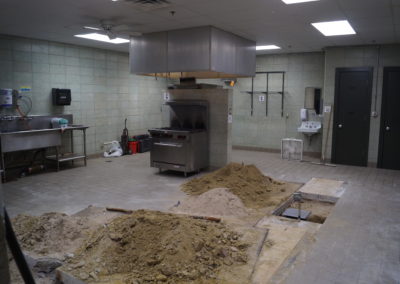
column 267, row 91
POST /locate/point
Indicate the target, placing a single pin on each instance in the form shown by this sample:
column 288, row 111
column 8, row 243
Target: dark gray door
column 389, row 144
column 353, row 88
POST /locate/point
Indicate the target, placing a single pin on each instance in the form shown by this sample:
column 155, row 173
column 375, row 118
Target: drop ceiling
column 265, row 21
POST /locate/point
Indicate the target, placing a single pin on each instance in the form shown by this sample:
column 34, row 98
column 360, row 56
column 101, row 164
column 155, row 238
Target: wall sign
column 166, row 96
column 327, row 108
column 23, row 89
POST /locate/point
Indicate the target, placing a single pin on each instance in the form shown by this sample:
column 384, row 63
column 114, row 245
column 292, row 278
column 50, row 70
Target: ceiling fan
column 112, row 30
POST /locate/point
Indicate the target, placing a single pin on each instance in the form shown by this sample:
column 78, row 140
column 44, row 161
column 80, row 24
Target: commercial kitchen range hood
column 201, row 52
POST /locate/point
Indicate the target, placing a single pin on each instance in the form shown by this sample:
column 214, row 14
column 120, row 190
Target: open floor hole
column 312, row 210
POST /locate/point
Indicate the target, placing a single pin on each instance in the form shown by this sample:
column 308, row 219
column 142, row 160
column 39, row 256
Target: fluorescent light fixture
column 100, row 37
column 92, row 28
column 334, row 28
column 267, row 47
column 297, row 1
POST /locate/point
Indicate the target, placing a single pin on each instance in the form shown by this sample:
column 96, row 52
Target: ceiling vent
column 149, row 5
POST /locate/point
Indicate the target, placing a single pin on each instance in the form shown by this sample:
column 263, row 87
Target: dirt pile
column 50, row 233
column 215, row 202
column 58, row 234
column 154, row 247
column 245, row 181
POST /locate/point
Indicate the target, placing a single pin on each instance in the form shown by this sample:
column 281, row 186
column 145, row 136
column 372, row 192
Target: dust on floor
column 155, row 247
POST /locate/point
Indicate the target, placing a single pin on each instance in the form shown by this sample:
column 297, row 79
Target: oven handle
column 168, row 145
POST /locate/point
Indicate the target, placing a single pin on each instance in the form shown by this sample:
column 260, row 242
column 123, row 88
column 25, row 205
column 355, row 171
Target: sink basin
column 310, row 127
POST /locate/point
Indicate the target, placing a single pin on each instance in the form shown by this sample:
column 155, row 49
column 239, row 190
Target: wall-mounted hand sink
column 310, row 127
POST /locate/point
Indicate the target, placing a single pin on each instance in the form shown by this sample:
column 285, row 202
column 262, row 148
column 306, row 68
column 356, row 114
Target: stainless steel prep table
column 60, row 158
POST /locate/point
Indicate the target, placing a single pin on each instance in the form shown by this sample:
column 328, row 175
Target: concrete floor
column 358, row 243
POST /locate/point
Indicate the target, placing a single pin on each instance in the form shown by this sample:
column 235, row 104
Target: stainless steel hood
column 201, row 52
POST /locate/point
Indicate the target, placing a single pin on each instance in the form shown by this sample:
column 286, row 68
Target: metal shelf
column 267, row 92
column 66, row 157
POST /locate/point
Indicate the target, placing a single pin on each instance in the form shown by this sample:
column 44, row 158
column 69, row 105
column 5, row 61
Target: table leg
column 57, row 159
column 3, row 168
column 72, row 144
column 84, row 146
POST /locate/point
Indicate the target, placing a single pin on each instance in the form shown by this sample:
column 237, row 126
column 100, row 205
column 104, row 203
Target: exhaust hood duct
column 201, row 52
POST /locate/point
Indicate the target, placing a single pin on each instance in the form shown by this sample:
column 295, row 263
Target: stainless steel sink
column 30, row 139
column 34, row 132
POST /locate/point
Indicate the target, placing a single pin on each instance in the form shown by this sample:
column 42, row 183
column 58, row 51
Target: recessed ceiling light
column 334, row 28
column 267, row 47
column 297, row 1
column 100, row 37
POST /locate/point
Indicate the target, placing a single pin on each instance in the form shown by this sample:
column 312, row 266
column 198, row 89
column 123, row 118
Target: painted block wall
column 363, row 56
column 104, row 93
column 220, row 105
column 261, row 131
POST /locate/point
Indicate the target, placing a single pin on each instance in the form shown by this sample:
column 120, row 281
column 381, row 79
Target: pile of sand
column 57, row 234
column 154, row 247
column 246, row 181
column 51, row 233
column 215, row 202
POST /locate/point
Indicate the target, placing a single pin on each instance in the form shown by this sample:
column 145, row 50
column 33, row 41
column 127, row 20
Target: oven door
column 169, row 152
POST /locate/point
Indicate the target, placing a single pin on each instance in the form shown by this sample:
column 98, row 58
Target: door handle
column 387, row 128
column 340, row 126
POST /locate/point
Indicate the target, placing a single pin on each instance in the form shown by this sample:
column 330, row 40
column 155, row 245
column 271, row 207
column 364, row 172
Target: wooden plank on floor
column 325, row 187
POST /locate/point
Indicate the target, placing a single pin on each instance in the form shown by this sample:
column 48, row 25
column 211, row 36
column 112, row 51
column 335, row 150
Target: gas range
column 179, row 148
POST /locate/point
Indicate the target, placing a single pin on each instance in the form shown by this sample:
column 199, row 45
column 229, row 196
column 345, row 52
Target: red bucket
column 133, row 145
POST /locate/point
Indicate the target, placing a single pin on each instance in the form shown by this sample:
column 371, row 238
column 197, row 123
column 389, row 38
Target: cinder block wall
column 363, row 56
column 302, row 70
column 261, row 131
column 220, row 105
column 104, row 93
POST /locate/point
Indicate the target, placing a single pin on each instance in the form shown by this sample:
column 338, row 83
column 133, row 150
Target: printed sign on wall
column 327, row 108
column 166, row 96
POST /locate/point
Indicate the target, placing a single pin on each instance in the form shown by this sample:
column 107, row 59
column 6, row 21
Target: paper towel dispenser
column 61, row 97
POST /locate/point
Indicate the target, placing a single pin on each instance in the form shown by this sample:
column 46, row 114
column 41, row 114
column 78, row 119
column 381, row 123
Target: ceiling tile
column 267, row 21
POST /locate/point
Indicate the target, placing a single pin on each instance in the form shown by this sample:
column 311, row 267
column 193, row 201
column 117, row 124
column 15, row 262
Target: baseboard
column 96, row 155
column 271, row 150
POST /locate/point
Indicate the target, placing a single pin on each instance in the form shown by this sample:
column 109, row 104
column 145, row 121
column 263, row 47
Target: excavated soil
column 56, row 234
column 246, row 181
column 219, row 202
column 155, row 247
